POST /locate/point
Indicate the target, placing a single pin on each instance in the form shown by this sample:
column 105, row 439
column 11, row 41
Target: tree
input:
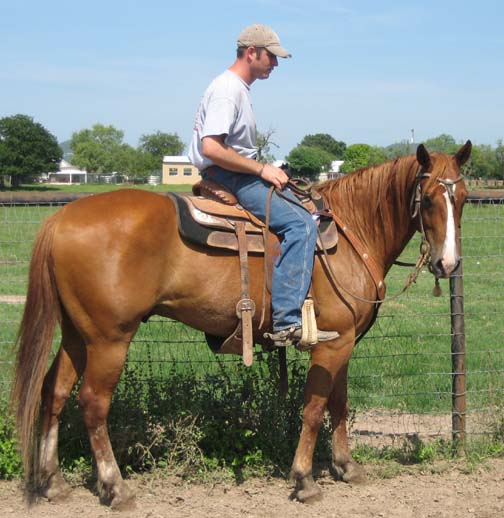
column 96, row 149
column 327, row 143
column 264, row 143
column 399, row 149
column 156, row 145
column 161, row 144
column 443, row 143
column 499, row 154
column 26, row 148
column 362, row 155
column 132, row 162
column 309, row 161
column 483, row 162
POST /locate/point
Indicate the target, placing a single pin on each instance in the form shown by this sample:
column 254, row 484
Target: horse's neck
column 378, row 211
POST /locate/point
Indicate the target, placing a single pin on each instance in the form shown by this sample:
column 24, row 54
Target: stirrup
column 285, row 337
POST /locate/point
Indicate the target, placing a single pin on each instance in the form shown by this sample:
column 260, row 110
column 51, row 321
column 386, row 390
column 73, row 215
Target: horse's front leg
column 326, row 363
column 344, row 466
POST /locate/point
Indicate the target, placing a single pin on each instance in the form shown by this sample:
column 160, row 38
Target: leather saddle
column 209, row 216
column 212, row 217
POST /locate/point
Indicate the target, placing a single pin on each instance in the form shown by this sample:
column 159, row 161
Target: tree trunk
column 16, row 180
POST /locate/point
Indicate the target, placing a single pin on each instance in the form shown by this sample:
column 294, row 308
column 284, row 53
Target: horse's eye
column 426, row 202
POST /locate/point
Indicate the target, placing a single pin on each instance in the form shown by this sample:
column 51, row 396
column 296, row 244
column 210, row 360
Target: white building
column 329, row 175
column 333, row 173
column 68, row 174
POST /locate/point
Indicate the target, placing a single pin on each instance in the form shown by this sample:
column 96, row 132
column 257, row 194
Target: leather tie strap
column 245, row 308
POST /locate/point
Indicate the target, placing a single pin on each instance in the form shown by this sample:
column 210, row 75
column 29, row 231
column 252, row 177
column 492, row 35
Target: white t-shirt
column 226, row 109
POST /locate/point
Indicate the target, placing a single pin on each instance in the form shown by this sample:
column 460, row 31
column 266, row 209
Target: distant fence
column 485, row 184
column 402, row 377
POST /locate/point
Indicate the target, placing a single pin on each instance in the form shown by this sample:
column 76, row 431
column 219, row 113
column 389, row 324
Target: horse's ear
column 423, row 156
column 463, row 154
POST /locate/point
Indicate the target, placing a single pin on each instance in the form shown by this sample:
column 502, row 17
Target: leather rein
column 425, row 247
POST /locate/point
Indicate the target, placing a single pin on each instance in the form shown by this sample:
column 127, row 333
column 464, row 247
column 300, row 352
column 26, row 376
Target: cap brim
column 278, row 51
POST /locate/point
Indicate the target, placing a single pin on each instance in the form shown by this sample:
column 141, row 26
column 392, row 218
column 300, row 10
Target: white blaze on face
column 449, row 258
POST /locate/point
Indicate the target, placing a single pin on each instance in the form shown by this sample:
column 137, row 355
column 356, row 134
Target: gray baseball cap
column 262, row 36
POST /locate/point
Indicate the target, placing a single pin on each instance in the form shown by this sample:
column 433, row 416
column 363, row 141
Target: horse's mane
column 372, row 200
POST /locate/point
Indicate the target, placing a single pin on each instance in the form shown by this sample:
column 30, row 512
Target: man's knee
column 305, row 225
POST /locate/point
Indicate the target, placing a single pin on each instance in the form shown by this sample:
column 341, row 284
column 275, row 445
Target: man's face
column 263, row 63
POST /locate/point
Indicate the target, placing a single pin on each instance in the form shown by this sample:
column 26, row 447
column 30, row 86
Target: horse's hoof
column 124, row 505
column 350, row 472
column 306, row 490
column 124, row 499
column 57, row 489
column 309, row 495
column 355, row 474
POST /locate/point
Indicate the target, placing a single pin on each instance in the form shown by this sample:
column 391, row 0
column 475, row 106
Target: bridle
column 418, row 196
column 425, row 247
column 416, row 210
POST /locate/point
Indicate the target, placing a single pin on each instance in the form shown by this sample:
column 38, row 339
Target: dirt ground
column 439, row 491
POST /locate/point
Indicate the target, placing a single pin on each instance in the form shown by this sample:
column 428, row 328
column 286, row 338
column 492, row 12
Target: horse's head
column 437, row 202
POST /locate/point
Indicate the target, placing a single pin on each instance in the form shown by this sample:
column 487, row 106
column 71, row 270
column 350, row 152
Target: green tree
column 132, row 162
column 499, row 154
column 443, row 143
column 156, row 145
column 26, row 148
column 96, row 149
column 483, row 163
column 362, row 155
column 326, row 142
column 309, row 161
column 398, row 149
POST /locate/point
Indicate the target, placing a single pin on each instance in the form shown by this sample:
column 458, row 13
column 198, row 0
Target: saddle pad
column 216, row 231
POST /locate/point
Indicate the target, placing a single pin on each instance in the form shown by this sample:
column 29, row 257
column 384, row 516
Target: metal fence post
column 458, row 359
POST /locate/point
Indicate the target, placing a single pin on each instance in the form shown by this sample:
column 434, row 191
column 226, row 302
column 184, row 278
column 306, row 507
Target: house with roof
column 179, row 170
column 68, row 174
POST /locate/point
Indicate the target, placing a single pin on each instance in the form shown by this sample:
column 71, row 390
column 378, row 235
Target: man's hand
column 274, row 175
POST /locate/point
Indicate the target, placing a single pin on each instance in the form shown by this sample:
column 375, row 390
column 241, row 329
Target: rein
column 425, row 247
column 415, row 210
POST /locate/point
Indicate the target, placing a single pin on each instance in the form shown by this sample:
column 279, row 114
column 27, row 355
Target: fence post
column 458, row 359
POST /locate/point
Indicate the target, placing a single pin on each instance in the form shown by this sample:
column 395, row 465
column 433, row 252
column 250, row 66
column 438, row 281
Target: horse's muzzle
column 442, row 268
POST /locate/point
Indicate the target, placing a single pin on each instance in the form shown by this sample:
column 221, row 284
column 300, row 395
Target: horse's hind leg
column 344, row 466
column 65, row 370
column 104, row 365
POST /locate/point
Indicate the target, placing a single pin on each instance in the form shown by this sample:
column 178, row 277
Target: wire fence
column 401, row 379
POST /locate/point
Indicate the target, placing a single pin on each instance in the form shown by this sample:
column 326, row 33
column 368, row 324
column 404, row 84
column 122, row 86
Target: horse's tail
column 41, row 314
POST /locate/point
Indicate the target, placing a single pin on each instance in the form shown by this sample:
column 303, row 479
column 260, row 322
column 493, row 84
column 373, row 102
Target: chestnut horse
column 102, row 263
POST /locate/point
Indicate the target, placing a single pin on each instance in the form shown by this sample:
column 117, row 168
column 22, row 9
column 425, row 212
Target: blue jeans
column 298, row 232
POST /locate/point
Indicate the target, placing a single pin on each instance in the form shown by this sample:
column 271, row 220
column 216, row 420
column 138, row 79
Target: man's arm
column 214, row 148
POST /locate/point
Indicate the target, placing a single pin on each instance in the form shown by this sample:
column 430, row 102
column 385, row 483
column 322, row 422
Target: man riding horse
column 224, row 150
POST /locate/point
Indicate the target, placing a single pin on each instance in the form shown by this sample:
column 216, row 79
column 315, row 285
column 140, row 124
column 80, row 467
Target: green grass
column 403, row 365
column 94, row 188
column 405, row 360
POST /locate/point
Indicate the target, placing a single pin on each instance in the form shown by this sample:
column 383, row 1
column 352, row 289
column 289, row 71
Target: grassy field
column 404, row 362
column 402, row 368
column 95, row 188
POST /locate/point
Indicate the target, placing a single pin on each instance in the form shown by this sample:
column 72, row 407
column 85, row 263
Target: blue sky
column 362, row 71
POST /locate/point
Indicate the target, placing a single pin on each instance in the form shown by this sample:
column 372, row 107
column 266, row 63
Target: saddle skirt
column 212, row 223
